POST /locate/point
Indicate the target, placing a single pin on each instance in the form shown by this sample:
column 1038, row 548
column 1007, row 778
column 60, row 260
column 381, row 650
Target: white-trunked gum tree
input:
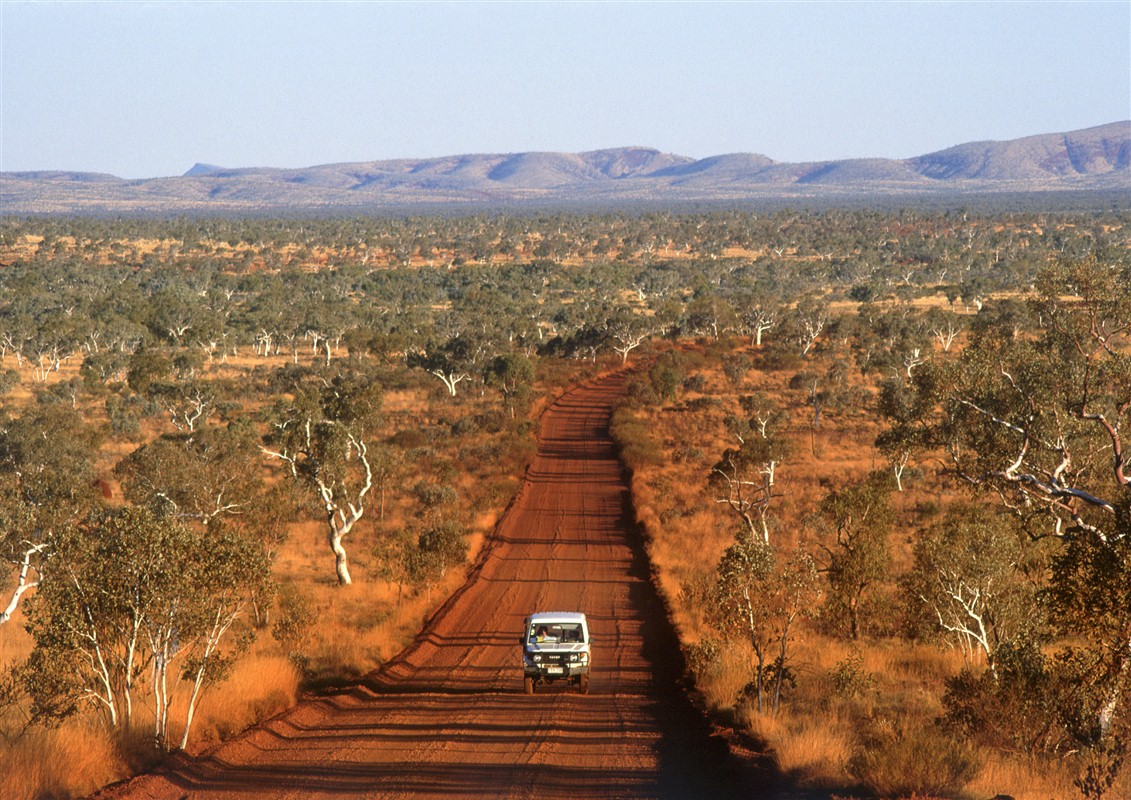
column 322, row 436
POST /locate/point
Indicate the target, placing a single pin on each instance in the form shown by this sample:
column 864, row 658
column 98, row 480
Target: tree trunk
column 1110, row 706
column 22, row 584
column 341, row 560
column 218, row 630
column 758, row 680
column 779, row 674
column 131, row 654
column 160, row 698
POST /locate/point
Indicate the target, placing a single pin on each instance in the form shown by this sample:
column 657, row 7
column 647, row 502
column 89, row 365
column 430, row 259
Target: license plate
column 553, row 670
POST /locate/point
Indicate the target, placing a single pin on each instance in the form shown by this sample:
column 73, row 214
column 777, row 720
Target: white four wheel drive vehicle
column 555, row 647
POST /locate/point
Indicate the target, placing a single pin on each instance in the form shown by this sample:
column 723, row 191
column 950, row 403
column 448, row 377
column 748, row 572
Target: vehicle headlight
column 573, row 657
column 537, row 657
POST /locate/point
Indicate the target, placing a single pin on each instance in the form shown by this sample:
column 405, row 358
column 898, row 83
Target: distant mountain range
column 1093, row 159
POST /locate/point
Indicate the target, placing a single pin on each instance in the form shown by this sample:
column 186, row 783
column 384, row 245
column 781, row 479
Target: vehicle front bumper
column 553, row 668
column 552, row 671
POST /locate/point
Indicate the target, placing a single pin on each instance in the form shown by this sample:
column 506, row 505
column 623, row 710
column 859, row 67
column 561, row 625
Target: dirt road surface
column 448, row 717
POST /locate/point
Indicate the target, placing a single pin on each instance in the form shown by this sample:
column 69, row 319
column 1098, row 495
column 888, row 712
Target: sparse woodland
column 880, row 461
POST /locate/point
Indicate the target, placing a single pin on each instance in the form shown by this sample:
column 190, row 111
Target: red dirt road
column 448, row 717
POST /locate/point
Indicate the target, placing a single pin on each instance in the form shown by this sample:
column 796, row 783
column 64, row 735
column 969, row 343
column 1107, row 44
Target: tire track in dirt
column 448, row 717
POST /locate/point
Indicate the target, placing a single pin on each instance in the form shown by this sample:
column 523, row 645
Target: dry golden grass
column 15, row 643
column 724, row 678
column 71, row 760
column 1025, row 779
column 259, row 687
column 811, row 749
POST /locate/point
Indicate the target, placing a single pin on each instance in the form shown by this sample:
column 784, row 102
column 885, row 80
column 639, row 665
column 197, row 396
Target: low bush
column 850, row 680
column 1015, row 710
column 638, row 447
column 899, row 760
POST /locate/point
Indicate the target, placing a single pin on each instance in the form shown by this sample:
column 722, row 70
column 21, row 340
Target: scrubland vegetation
column 878, row 459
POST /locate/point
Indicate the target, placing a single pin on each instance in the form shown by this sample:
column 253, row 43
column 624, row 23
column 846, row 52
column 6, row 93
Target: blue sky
column 144, row 89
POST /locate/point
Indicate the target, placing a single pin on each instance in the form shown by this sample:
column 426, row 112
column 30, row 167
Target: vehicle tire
column 583, row 684
column 528, row 684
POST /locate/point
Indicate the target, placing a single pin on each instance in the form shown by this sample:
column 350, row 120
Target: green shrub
column 294, row 620
column 1015, row 710
column 703, row 404
column 409, row 439
column 667, row 376
column 466, row 426
column 702, row 655
column 438, row 548
column 778, row 357
column 735, row 369
column 850, row 680
column 123, row 415
column 9, row 380
column 695, row 383
column 687, row 454
column 1100, row 770
column 434, row 497
column 640, row 391
column 638, row 447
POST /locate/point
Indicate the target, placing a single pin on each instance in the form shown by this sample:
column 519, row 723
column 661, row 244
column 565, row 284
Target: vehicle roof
column 557, row 616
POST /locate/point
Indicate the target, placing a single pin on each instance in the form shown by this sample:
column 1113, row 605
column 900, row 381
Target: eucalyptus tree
column 757, row 598
column 627, row 330
column 46, row 484
column 1039, row 419
column 328, row 312
column 945, row 326
column 808, row 322
column 119, row 315
column 135, row 593
column 56, row 337
column 268, row 317
column 968, row 582
column 512, row 374
column 453, row 361
column 745, row 476
column 901, row 337
column 823, row 391
column 759, row 313
column 709, row 314
column 172, row 312
column 322, row 436
column 907, row 436
column 853, row 524
column 657, row 282
column 198, row 478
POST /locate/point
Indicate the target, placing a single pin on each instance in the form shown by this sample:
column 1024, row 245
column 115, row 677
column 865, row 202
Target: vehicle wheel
column 583, row 684
column 528, row 684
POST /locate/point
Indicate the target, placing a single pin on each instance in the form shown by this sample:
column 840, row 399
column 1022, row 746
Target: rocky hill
column 1093, row 159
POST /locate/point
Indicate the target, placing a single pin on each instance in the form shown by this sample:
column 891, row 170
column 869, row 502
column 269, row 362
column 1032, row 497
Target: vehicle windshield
column 555, row 632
